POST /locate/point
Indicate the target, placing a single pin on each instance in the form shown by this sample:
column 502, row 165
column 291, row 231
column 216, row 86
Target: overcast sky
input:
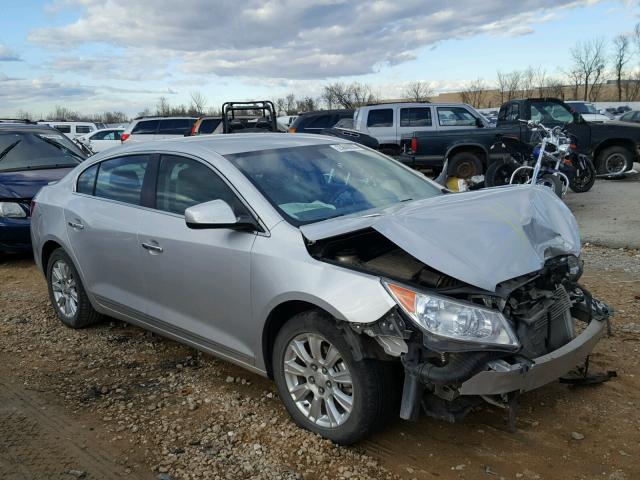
column 96, row 55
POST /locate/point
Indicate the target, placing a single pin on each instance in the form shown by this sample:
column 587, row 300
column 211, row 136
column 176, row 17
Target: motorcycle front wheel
column 553, row 182
column 499, row 173
column 584, row 178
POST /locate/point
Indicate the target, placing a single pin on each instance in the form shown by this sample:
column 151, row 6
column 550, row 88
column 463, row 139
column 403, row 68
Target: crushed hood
column 481, row 238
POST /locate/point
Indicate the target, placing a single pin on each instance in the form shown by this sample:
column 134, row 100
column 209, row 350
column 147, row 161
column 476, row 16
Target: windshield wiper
column 8, row 149
column 59, row 146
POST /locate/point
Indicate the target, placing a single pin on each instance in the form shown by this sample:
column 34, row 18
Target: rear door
column 144, row 130
column 198, row 279
column 415, row 119
column 102, row 220
column 381, row 124
column 174, row 127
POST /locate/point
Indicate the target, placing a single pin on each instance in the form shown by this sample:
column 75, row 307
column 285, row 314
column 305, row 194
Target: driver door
column 198, row 281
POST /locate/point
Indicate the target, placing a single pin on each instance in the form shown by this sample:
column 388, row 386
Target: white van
column 72, row 129
column 389, row 122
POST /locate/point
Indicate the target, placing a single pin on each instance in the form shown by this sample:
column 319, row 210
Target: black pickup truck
column 614, row 146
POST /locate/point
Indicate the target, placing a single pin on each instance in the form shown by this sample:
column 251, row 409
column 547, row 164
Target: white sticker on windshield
column 346, row 147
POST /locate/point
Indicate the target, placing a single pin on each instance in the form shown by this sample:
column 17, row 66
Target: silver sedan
column 360, row 286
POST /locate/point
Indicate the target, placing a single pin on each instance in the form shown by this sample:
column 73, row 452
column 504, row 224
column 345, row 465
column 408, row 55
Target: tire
column 552, row 181
column 464, row 165
column 584, row 181
column 499, row 173
column 371, row 393
column 614, row 160
column 66, row 289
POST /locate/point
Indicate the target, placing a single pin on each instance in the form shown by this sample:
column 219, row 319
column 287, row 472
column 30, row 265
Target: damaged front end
column 461, row 345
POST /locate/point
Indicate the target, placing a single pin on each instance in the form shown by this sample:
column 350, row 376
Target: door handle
column 77, row 226
column 152, row 248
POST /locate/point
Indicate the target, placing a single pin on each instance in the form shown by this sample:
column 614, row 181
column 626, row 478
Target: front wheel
column 553, row 182
column 584, row 178
column 324, row 389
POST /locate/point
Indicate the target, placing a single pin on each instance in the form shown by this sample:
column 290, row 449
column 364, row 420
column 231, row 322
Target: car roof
column 228, row 144
column 324, row 112
column 27, row 127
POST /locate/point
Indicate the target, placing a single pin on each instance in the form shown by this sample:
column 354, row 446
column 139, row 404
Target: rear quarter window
column 208, row 125
column 146, row 127
column 83, row 129
column 380, row 118
column 175, row 126
column 87, row 180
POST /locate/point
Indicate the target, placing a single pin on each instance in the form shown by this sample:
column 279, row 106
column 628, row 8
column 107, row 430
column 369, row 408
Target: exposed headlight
column 453, row 319
column 574, row 265
column 11, row 210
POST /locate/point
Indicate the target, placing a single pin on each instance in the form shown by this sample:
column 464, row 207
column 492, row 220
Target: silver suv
column 326, row 266
column 146, row 129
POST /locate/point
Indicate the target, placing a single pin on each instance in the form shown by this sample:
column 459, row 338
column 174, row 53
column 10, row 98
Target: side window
column 116, row 134
column 455, row 117
column 83, row 129
column 63, row 128
column 415, row 117
column 382, row 117
column 208, row 125
column 323, row 121
column 99, row 136
column 121, row 178
column 87, row 180
column 109, row 136
column 175, row 126
column 183, row 182
column 146, row 127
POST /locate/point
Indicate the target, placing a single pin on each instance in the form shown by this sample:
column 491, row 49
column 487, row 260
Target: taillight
column 32, row 207
column 292, row 130
column 124, row 136
column 193, row 130
column 573, row 146
column 414, row 144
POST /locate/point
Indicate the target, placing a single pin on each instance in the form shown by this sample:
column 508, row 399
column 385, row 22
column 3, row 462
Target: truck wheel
column 464, row 165
column 614, row 160
column 499, row 173
column 323, row 387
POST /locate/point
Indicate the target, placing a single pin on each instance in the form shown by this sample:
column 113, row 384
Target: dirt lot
column 115, row 402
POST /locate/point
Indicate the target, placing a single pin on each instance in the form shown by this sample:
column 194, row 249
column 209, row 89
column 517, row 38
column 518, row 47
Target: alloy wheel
column 318, row 380
column 615, row 163
column 63, row 285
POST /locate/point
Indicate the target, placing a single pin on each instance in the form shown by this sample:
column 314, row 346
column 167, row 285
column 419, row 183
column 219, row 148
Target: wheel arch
column 615, row 142
column 276, row 319
column 48, row 247
column 475, row 148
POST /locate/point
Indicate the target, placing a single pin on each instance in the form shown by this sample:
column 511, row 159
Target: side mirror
column 217, row 214
column 479, row 123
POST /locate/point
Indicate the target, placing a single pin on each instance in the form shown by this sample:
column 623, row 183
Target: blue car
column 31, row 156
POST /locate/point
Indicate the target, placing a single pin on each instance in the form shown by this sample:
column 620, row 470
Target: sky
column 104, row 55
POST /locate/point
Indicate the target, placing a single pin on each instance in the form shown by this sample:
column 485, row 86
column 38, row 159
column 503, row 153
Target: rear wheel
column 614, row 160
column 67, row 294
column 324, row 389
column 464, row 165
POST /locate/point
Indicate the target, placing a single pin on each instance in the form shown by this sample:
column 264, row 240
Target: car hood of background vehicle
column 481, row 238
column 26, row 183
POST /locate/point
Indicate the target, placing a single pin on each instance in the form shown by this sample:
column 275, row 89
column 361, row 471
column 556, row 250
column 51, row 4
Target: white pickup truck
column 390, row 122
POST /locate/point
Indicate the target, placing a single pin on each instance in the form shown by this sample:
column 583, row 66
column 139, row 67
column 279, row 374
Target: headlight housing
column 455, row 320
column 11, row 210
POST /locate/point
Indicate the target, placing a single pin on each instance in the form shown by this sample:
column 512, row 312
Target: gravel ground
column 113, row 401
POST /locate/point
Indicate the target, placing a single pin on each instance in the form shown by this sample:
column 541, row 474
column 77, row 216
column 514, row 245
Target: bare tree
column 418, row 91
column 621, row 56
column 162, row 107
column 589, row 61
column 281, row 106
column 25, row 115
column 527, row 82
column 513, row 85
column 198, row 102
column 350, row 95
column 475, row 93
column 503, row 82
column 575, row 77
column 540, row 80
column 632, row 87
column 61, row 113
column 553, row 87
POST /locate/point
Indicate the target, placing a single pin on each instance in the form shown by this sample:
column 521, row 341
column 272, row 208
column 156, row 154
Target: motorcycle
column 551, row 159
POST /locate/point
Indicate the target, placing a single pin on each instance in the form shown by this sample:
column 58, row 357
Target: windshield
column 317, row 182
column 37, row 150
